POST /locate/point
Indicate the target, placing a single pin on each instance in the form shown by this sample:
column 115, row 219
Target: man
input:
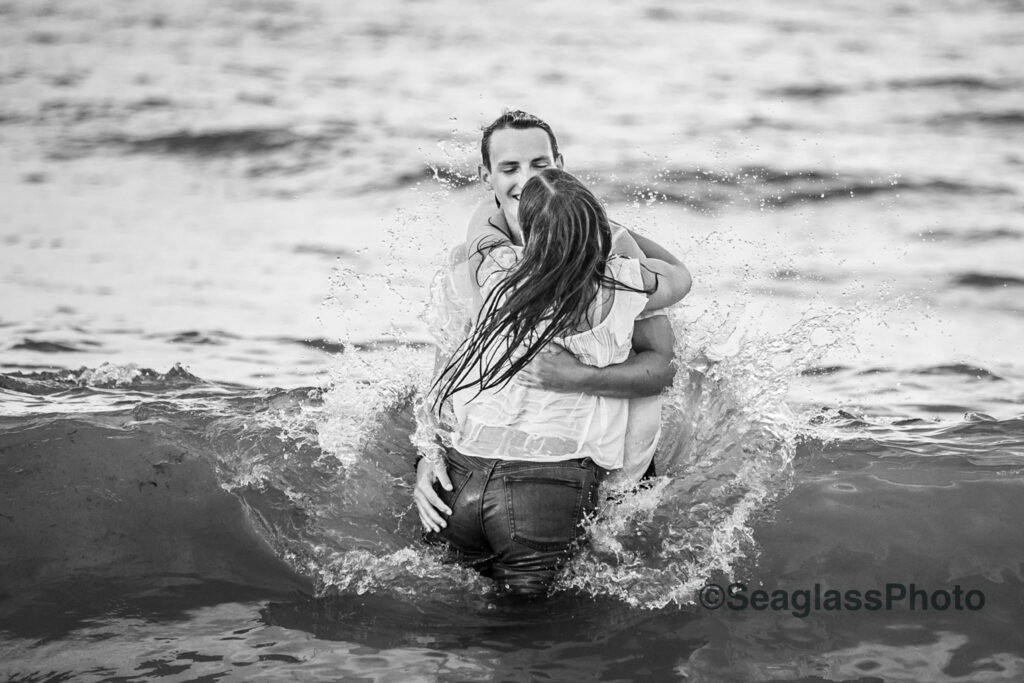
column 514, row 148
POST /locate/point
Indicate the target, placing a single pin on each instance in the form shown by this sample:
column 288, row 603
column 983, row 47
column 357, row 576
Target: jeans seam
column 509, row 508
column 457, row 490
column 488, row 480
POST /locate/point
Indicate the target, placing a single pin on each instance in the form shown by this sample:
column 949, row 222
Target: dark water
column 169, row 527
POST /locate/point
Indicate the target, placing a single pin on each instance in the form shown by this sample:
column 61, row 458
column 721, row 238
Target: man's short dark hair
column 517, row 120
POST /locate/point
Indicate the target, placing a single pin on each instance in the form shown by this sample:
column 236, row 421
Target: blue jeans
column 516, row 521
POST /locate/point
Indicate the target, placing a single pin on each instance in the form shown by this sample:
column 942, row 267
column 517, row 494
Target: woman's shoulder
column 501, row 254
column 497, row 260
column 631, row 292
column 626, row 270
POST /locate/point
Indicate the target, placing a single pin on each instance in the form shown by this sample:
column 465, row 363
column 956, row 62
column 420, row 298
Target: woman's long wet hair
column 548, row 293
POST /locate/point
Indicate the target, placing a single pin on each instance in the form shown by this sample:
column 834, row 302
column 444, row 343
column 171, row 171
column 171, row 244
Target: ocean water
column 219, row 221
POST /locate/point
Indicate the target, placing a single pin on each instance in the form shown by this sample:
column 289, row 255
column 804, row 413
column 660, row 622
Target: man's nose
column 525, row 175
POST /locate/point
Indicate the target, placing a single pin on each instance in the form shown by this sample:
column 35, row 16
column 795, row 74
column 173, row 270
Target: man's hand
column 428, row 503
column 554, row 369
column 647, row 372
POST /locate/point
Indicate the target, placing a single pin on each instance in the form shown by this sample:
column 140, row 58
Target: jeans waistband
column 496, row 464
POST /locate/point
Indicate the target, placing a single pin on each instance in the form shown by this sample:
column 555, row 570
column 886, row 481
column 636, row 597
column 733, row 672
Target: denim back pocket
column 545, row 512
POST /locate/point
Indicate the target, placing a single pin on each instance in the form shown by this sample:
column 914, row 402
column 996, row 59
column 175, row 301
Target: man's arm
column 646, row 373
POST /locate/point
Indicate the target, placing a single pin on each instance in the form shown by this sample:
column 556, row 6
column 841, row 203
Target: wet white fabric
column 514, row 422
column 454, row 303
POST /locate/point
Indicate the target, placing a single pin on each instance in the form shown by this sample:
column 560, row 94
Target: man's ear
column 560, row 163
column 484, row 174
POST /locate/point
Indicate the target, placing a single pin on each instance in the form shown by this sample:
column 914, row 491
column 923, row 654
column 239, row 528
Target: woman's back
column 514, row 422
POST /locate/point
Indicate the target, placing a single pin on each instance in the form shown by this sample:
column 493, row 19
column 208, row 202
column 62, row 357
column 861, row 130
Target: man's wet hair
column 517, row 120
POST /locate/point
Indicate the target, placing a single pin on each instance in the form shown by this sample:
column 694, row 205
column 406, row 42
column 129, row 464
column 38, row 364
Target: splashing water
column 728, row 441
column 726, row 451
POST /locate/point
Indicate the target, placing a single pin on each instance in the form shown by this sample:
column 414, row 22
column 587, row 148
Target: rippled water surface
column 217, row 227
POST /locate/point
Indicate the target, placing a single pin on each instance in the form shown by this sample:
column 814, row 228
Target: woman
column 524, row 463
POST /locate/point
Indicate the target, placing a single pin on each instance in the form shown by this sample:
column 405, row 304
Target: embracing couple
column 549, row 382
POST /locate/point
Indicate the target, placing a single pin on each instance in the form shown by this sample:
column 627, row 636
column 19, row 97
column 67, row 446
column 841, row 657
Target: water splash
column 728, row 441
column 726, row 455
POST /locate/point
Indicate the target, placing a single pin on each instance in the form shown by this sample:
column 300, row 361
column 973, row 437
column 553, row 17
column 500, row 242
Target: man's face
column 516, row 156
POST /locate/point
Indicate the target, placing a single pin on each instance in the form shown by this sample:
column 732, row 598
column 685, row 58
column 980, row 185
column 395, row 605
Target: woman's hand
column 428, row 503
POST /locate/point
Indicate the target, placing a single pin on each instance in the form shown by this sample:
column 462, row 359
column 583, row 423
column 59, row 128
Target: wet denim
column 516, row 521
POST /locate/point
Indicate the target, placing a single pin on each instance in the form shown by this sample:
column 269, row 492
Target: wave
column 278, row 152
column 324, row 250
column 1013, row 117
column 98, row 506
column 955, row 369
column 445, row 177
column 811, row 91
column 767, row 187
column 34, row 178
column 7, row 117
column 710, row 190
column 42, row 346
column 951, row 82
column 199, row 338
column 321, row 344
column 821, row 90
column 269, row 151
column 974, row 235
column 105, row 376
column 242, row 141
column 959, row 369
column 986, row 280
column 283, row 151
column 976, row 441
column 275, row 150
column 822, row 370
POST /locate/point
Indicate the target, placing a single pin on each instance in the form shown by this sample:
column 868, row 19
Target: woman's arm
column 673, row 281
column 652, row 249
column 430, row 464
column 670, row 282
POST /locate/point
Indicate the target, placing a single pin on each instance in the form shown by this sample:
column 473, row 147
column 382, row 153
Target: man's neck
column 517, row 235
column 515, row 232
